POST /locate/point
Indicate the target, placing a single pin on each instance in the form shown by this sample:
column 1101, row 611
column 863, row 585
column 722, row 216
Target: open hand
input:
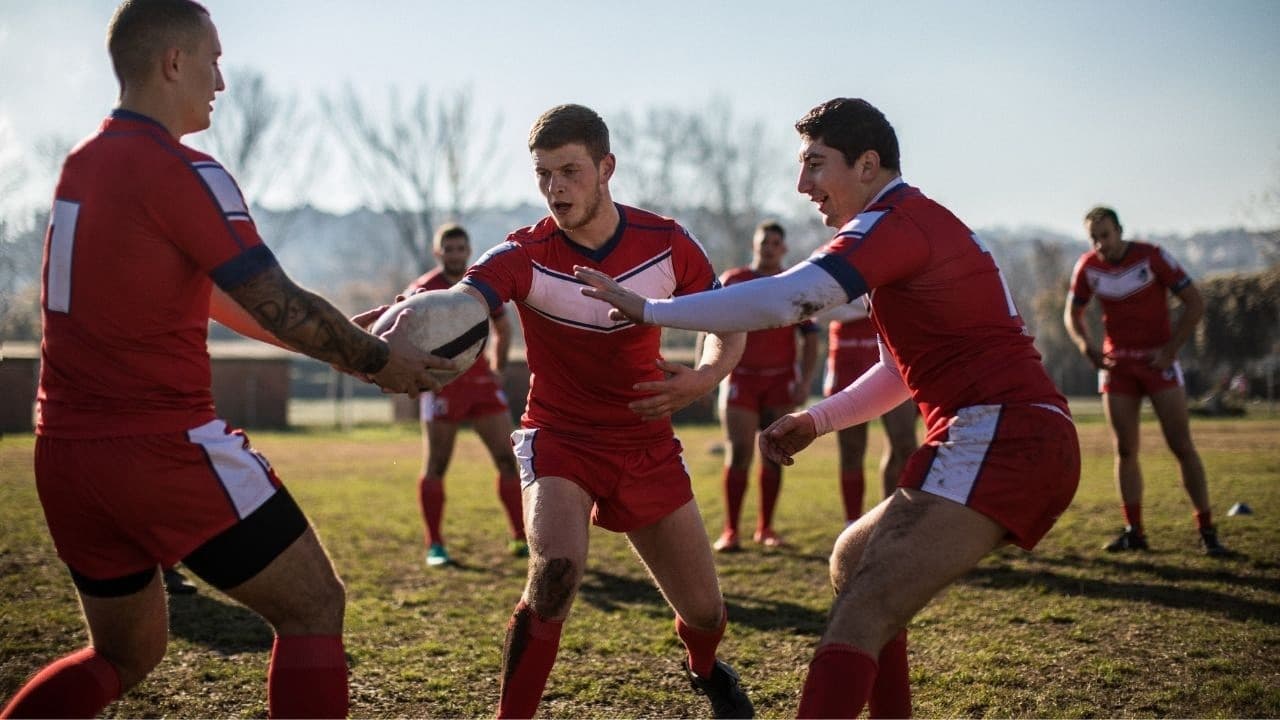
column 408, row 368
column 682, row 386
column 627, row 305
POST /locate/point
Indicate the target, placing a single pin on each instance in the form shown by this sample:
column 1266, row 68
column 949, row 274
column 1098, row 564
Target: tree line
column 421, row 159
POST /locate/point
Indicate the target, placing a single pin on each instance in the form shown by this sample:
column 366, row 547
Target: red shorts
column 756, row 391
column 1134, row 376
column 632, row 488
column 1016, row 464
column 467, row 398
column 119, row 506
column 847, row 364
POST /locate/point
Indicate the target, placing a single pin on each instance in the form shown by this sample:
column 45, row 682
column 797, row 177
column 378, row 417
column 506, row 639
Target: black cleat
column 1209, row 541
column 1128, row 540
column 723, row 690
column 175, row 583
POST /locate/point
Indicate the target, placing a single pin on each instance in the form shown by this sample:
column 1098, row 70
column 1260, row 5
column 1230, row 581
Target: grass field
column 1066, row 631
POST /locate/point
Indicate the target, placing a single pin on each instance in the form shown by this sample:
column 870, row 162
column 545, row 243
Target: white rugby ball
column 448, row 323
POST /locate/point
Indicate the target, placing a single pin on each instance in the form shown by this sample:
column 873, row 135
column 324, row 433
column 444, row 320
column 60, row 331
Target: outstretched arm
column 307, row 323
column 775, row 301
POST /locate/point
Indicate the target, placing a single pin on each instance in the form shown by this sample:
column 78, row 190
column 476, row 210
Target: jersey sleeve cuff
column 239, row 269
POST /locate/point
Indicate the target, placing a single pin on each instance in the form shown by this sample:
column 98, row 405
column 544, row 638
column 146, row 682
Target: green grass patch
column 1066, row 631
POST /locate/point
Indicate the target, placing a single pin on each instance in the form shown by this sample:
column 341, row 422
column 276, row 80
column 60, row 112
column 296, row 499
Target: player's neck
column 594, row 234
column 154, row 106
column 762, row 269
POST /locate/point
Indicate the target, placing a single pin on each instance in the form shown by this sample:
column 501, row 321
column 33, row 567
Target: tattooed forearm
column 308, row 323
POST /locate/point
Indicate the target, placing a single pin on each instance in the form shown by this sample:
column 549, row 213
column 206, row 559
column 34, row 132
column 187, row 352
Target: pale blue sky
column 1012, row 113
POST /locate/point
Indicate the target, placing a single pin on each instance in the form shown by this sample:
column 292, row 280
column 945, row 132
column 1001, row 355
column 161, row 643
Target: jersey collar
column 894, row 183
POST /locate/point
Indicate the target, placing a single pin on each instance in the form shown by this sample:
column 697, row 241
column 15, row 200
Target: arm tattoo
column 308, row 323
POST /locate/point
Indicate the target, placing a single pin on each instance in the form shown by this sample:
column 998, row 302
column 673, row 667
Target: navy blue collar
column 599, row 254
column 122, row 114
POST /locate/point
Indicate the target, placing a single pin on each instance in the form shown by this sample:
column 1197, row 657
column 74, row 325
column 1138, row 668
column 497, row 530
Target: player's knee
column 436, row 467
column 552, row 585
column 1126, row 450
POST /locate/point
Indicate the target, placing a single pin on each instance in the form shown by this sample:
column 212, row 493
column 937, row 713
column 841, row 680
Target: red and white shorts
column 632, row 488
column 1135, row 376
column 1016, row 464
column 118, row 506
column 758, row 390
column 467, row 398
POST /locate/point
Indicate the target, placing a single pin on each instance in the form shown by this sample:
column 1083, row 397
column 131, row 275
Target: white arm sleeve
column 879, row 390
column 769, row 302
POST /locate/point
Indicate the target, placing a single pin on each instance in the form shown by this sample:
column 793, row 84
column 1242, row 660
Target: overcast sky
column 1012, row 113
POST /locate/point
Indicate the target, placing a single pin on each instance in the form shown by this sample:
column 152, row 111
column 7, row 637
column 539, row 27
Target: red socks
column 527, row 657
column 852, row 487
column 839, row 682
column 307, row 677
column 891, row 692
column 1204, row 520
column 1133, row 517
column 701, row 644
column 77, row 685
column 735, row 488
column 431, row 498
column 509, row 494
column 770, row 486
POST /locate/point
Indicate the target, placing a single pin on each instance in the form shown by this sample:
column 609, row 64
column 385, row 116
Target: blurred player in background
column 852, row 348
column 596, row 443
column 1001, row 460
column 475, row 396
column 1139, row 356
column 766, row 384
column 147, row 240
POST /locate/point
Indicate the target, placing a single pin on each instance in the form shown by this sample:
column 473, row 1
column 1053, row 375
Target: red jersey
column 1133, row 292
column 770, row 350
column 141, row 226
column 583, row 364
column 434, row 279
column 940, row 306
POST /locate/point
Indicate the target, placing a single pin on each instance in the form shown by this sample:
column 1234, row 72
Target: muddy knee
column 552, row 585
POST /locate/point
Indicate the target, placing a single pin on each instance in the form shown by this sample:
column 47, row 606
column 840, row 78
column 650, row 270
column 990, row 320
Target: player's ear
column 170, row 63
column 608, row 164
column 867, row 165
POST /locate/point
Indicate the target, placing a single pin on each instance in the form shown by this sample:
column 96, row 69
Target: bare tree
column 732, row 160
column 411, row 155
column 656, row 169
column 264, row 139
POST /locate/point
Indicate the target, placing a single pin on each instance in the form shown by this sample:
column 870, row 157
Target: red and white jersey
column 940, row 306
column 1133, row 292
column 141, row 227
column 772, row 350
column 434, row 279
column 583, row 364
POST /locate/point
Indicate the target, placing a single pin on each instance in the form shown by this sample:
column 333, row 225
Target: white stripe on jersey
column 240, row 469
column 956, row 465
column 862, row 223
column 62, row 239
column 1120, row 284
column 558, row 297
column 224, row 190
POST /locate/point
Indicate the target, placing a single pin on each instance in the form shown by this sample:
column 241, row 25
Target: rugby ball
column 448, row 323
